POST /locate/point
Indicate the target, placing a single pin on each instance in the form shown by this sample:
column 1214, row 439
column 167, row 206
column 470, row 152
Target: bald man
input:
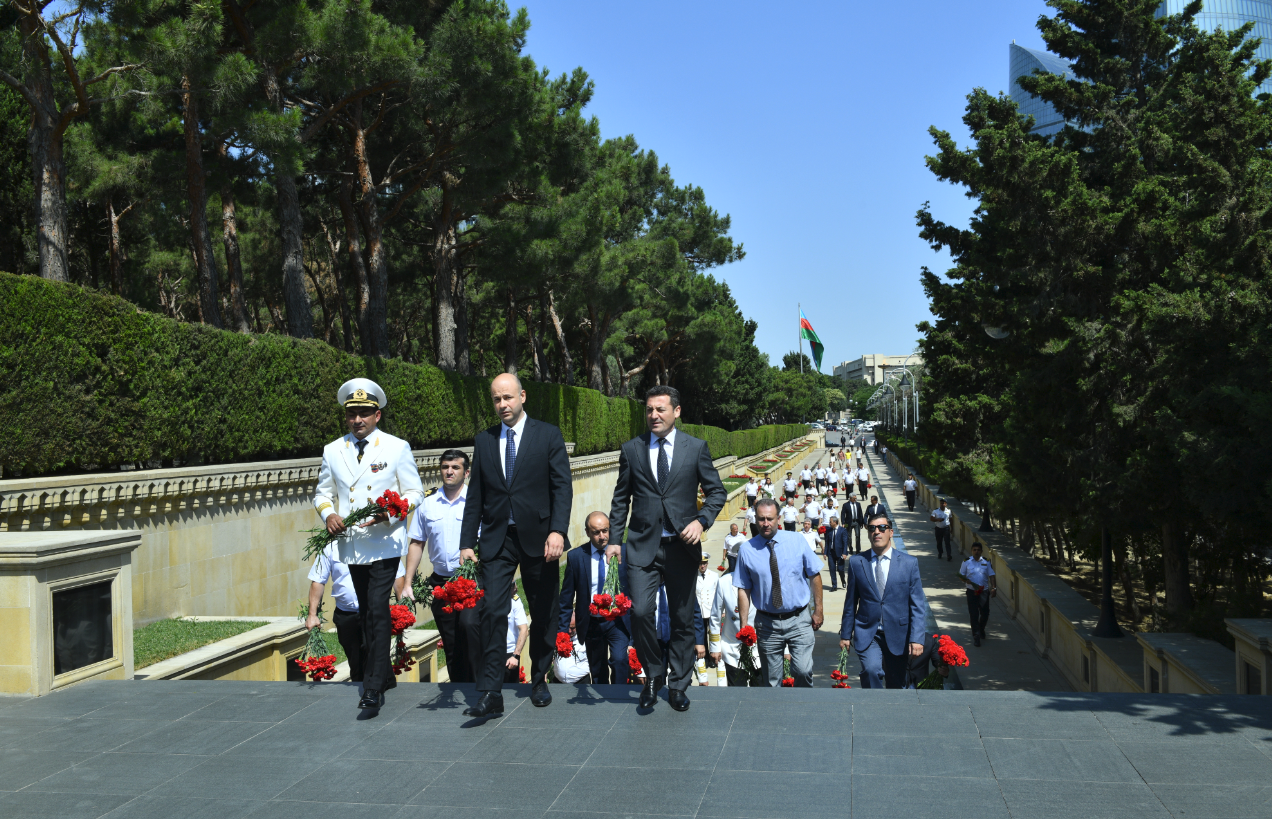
column 519, row 498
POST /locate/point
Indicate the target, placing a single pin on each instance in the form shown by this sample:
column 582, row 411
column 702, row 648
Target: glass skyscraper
column 1223, row 14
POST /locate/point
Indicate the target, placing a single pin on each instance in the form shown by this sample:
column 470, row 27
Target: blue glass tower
column 1024, row 62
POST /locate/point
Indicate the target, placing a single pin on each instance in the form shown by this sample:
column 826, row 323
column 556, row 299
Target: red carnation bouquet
column 460, row 592
column 787, row 680
column 611, row 603
column 633, row 663
column 521, row 675
column 390, row 502
column 746, row 654
column 403, row 618
column 840, row 674
column 314, row 659
column 948, row 653
column 564, row 645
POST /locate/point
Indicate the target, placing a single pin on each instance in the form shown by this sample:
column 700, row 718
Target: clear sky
column 808, row 127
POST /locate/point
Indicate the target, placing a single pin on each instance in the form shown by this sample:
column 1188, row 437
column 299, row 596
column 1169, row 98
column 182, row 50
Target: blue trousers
column 607, row 652
column 880, row 668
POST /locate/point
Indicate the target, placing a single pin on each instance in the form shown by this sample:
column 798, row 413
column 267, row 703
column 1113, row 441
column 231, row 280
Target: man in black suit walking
column 852, row 519
column 659, row 473
column 519, row 496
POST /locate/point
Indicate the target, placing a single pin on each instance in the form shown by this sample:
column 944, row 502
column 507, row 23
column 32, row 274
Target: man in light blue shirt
column 779, row 575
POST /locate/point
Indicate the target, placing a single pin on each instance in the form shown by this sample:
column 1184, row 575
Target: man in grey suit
column 659, row 473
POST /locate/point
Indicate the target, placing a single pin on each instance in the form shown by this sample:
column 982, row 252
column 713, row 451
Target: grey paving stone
column 152, row 806
column 703, row 715
column 498, row 785
column 1220, row 764
column 62, row 705
column 89, row 734
column 771, row 795
column 364, row 781
column 6, row 701
column 1233, row 801
column 784, row 718
column 174, row 706
column 407, row 741
column 194, row 736
column 874, row 754
column 1144, row 722
column 322, row 810
column 267, row 708
column 287, row 740
column 15, row 733
column 1037, row 723
column 446, row 812
column 876, row 795
column 787, row 752
column 616, row 813
column 127, row 774
column 896, row 720
column 253, row 778
column 565, row 746
column 1059, row 759
column 20, row 767
column 1040, row 799
column 34, row 805
column 665, row 791
column 593, row 717
column 640, row 748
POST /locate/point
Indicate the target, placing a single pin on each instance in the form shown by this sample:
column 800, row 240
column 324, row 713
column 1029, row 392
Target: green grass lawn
column 733, row 483
column 164, row 639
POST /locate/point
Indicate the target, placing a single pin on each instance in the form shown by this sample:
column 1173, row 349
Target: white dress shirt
column 789, row 514
column 752, row 488
column 911, row 485
column 811, row 537
column 789, row 485
column 812, row 511
column 516, row 618
column 806, row 475
column 670, row 448
column 863, row 474
column 437, row 524
column 520, row 429
column 976, row 573
column 886, row 560
column 732, row 542
column 750, row 515
column 821, row 474
column 594, row 561
column 942, row 518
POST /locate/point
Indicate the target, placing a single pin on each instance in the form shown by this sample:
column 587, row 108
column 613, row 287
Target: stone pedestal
column 1254, row 654
column 65, row 609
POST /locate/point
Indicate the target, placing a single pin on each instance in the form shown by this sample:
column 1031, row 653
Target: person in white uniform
column 731, row 543
column 518, row 632
column 705, row 592
column 978, row 575
column 724, row 631
column 575, row 667
column 790, row 515
column 358, row 468
column 346, row 618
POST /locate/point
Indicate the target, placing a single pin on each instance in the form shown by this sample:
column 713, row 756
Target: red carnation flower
column 633, row 662
column 747, row 636
column 564, row 645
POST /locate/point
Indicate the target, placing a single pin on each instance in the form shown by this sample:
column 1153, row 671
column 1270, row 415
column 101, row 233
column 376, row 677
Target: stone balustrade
column 1253, row 638
column 1185, row 664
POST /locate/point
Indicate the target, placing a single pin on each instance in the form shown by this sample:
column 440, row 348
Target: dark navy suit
column 837, row 551
column 881, row 630
column 606, row 641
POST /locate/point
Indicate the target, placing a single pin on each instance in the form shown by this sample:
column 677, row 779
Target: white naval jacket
column 344, row 485
column 725, row 623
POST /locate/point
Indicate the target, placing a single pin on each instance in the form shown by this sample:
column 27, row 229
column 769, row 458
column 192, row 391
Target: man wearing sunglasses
column 884, row 609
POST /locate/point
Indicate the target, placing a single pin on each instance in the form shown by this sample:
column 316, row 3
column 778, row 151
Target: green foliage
column 90, row 382
column 164, row 639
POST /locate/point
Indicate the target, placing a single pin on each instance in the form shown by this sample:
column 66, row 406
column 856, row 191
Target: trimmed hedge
column 89, row 381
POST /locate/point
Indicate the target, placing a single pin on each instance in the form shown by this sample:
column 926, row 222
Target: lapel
column 527, row 434
column 678, row 458
column 644, row 439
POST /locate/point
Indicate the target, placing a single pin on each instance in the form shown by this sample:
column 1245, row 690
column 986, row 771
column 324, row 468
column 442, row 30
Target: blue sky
column 809, row 128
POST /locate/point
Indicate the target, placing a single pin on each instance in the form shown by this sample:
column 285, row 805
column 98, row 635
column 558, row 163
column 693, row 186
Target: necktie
column 361, row 445
column 600, row 574
column 663, row 466
column 880, row 580
column 777, row 577
column 664, row 619
column 510, row 456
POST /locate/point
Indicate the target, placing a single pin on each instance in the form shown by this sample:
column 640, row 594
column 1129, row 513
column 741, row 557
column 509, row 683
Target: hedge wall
column 89, row 381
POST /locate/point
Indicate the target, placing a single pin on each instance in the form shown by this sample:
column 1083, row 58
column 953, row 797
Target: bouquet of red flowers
column 460, row 592
column 403, row 618
column 787, row 680
column 521, row 675
column 564, row 645
column 948, row 653
column 840, row 674
column 611, row 603
column 746, row 654
column 390, row 502
column 633, row 663
column 314, row 659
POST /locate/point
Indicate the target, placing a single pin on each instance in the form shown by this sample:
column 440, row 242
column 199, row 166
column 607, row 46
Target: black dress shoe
column 976, row 640
column 371, row 699
column 679, row 700
column 539, row 695
column 649, row 695
column 490, row 704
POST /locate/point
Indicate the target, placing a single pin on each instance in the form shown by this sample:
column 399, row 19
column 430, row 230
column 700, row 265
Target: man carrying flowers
column 358, row 468
column 591, row 579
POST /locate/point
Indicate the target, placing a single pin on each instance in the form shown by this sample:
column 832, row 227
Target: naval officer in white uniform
column 356, row 469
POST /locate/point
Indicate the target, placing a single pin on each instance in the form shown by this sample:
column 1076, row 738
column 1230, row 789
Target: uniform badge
column 379, row 466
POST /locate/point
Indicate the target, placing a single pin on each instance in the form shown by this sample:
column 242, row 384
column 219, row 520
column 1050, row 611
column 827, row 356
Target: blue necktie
column 510, row 456
column 600, row 574
column 664, row 620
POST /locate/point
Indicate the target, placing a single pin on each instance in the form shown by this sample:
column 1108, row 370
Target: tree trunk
column 594, row 364
column 510, row 333
column 117, row 256
column 230, row 240
column 300, row 319
column 375, row 341
column 353, row 244
column 197, row 192
column 461, row 324
column 48, row 167
column 445, row 280
column 1175, row 570
column 535, row 329
column 567, row 362
column 342, row 286
column 1124, row 574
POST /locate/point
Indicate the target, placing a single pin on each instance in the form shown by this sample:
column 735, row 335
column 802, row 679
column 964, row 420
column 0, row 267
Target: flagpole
column 800, row 333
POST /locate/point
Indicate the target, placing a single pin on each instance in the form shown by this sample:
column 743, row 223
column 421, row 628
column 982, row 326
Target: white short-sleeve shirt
column 437, row 524
column 976, row 572
column 911, row 485
column 942, row 517
column 516, row 618
column 789, row 514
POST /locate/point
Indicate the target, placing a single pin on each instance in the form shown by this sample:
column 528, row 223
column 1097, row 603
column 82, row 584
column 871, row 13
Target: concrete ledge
column 1253, row 638
column 1185, row 664
column 259, row 654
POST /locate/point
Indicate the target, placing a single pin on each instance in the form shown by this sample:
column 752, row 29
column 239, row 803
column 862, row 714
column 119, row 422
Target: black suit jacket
column 540, row 496
column 874, row 509
column 576, row 590
column 850, row 514
column 637, row 491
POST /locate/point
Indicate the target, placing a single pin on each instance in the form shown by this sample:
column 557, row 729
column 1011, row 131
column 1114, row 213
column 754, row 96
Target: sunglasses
column 879, row 527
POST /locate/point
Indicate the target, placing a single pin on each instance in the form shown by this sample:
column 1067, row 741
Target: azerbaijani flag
column 806, row 331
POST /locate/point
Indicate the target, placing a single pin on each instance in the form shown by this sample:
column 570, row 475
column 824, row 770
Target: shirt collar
column 885, row 556
column 460, row 498
column 519, row 428
column 670, row 439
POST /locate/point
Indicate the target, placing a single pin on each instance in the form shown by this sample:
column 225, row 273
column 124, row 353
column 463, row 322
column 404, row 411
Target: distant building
column 1024, row 62
column 872, row 367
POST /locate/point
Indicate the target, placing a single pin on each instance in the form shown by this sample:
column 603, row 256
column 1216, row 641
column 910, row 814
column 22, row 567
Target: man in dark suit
column 519, row 498
column 585, row 573
column 836, row 552
column 852, row 519
column 884, row 609
column 659, row 473
column 875, row 508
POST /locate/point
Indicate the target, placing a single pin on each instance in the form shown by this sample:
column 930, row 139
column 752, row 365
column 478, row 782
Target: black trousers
column 461, row 637
column 978, row 609
column 676, row 565
column 512, row 676
column 373, row 582
column 836, row 567
column 909, row 498
column 542, row 582
column 750, row 501
column 755, row 529
column 735, row 676
column 861, row 489
column 349, row 631
column 854, row 537
column 790, row 527
column 943, row 537
column 606, row 645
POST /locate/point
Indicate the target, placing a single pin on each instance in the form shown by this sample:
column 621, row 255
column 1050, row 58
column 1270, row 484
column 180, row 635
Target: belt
column 671, row 539
column 784, row 615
